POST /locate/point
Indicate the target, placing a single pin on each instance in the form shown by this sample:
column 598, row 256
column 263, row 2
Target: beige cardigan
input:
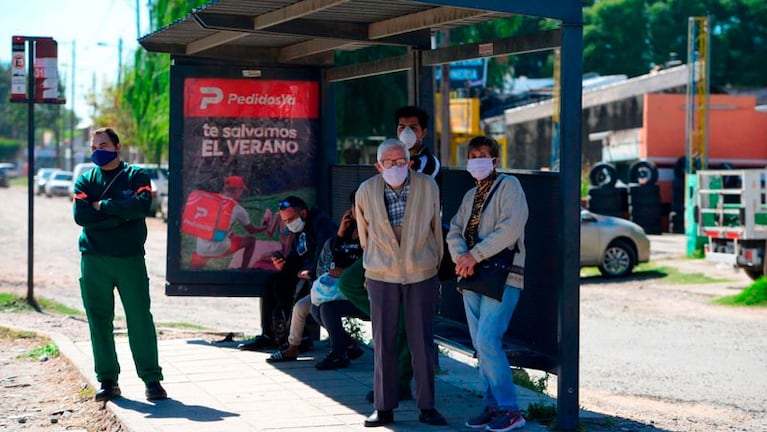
column 418, row 255
column 501, row 225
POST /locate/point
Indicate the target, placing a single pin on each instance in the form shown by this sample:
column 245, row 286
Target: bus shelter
column 252, row 101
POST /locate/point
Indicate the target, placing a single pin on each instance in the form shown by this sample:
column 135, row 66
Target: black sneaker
column 354, row 352
column 108, row 391
column 259, row 343
column 154, row 391
column 333, row 361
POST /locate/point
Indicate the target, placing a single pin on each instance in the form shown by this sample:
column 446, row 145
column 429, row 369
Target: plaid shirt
column 395, row 203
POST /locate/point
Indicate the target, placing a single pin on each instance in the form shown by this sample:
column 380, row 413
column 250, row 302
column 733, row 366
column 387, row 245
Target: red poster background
column 211, row 97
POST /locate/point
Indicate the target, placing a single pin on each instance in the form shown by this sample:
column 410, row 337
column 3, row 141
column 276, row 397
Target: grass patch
column 522, row 378
column 18, row 181
column 15, row 303
column 545, row 413
column 181, row 325
column 50, row 350
column 6, row 333
column 753, row 295
column 669, row 275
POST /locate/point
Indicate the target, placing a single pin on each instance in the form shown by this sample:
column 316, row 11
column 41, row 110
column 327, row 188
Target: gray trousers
column 419, row 302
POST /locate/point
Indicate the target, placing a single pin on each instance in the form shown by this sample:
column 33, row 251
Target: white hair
column 388, row 144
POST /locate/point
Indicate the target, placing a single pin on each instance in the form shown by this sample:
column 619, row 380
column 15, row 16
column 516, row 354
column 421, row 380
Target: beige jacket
column 417, row 257
column 501, row 225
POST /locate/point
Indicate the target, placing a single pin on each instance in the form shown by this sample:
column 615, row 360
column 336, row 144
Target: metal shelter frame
column 308, row 32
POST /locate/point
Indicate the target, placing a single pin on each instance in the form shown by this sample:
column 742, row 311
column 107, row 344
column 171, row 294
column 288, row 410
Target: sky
column 93, row 27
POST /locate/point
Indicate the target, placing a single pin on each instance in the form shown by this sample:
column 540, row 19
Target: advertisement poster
column 248, row 144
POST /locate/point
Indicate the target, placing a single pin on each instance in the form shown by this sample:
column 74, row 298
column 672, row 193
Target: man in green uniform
column 111, row 203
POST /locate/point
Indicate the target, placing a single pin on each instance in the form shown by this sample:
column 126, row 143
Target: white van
column 79, row 169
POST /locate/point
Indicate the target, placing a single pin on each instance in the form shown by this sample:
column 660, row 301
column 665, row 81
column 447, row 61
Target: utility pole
column 71, row 165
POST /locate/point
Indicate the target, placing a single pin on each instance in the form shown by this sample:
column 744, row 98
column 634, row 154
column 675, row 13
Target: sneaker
column 154, row 391
column 506, row 421
column 354, row 352
column 108, row 391
column 481, row 420
column 259, row 343
column 333, row 361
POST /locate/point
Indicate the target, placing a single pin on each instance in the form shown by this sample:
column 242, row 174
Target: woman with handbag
column 487, row 238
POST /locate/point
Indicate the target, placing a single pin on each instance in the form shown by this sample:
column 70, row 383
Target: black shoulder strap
column 492, row 191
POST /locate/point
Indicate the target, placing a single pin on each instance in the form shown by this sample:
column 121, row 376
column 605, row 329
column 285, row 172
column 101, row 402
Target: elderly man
column 398, row 218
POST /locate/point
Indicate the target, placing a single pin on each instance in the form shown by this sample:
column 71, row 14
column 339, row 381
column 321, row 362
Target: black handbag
column 490, row 275
column 489, row 278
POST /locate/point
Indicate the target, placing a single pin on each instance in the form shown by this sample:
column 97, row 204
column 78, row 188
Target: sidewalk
column 215, row 387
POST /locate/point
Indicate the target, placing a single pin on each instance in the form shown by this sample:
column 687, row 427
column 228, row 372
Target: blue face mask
column 102, row 157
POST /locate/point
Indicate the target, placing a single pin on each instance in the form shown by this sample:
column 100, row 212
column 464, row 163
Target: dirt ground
column 655, row 356
column 45, row 393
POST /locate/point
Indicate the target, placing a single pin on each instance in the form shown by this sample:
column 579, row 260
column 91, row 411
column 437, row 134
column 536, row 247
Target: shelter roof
column 308, row 31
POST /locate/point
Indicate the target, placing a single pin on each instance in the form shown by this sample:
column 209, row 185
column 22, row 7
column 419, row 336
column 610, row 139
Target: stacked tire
column 604, row 197
column 644, row 196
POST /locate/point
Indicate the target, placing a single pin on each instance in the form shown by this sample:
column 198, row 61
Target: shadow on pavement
column 171, row 408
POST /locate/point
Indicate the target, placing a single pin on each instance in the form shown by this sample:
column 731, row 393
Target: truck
column 731, row 212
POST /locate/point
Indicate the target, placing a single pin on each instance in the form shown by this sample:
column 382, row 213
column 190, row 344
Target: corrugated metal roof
column 302, row 31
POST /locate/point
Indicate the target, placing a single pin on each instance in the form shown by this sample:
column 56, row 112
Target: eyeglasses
column 283, row 205
column 388, row 163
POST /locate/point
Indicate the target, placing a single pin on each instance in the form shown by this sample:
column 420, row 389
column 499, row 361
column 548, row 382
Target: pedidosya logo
column 210, row 95
column 214, row 95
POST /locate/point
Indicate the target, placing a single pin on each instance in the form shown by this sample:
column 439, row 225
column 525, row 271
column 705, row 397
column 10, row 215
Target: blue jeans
column 488, row 320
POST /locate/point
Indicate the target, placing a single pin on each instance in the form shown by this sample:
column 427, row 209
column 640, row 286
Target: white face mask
column 480, row 168
column 395, row 175
column 296, row 226
column 407, row 136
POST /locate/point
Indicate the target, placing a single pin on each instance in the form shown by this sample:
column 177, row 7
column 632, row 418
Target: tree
column 615, row 39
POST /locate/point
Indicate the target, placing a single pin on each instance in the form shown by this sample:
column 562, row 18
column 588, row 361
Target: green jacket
column 119, row 227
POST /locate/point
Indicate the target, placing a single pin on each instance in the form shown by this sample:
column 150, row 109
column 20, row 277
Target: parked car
column 58, row 184
column 613, row 244
column 159, row 177
column 77, row 172
column 3, row 178
column 11, row 170
column 42, row 176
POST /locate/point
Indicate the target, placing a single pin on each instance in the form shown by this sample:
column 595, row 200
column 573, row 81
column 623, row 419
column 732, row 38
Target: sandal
column 279, row 356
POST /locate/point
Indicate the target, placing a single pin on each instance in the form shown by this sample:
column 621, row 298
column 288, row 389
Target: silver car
column 613, row 244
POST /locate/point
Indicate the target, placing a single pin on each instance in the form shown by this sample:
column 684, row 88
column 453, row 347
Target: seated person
column 309, row 229
column 328, row 305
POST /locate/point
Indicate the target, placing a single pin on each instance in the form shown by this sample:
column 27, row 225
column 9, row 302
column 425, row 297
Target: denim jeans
column 488, row 320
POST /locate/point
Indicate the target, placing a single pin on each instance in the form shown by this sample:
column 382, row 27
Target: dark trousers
column 352, row 285
column 279, row 296
column 418, row 301
column 329, row 315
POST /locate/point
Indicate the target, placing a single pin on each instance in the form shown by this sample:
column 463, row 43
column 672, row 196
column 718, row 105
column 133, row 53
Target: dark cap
column 235, row 182
column 292, row 201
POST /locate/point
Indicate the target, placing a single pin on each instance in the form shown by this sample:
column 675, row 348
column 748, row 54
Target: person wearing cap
column 234, row 187
column 310, row 228
column 398, row 219
column 111, row 203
